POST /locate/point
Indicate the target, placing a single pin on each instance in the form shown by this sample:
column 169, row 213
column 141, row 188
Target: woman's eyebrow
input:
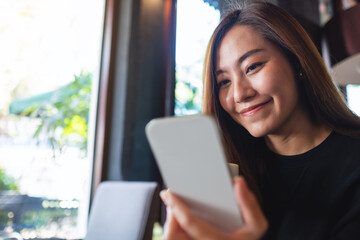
column 249, row 53
column 242, row 58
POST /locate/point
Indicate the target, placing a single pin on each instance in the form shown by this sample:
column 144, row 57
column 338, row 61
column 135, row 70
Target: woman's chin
column 257, row 133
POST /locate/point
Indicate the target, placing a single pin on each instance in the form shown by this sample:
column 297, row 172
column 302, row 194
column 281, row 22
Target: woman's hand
column 182, row 224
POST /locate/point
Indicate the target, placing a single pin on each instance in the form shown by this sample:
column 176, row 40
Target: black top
column 314, row 195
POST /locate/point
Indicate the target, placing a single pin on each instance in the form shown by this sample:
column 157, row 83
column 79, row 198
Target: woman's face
column 256, row 83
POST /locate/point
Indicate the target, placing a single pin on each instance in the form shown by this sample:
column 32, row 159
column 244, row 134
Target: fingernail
column 164, row 196
column 241, row 181
column 238, row 179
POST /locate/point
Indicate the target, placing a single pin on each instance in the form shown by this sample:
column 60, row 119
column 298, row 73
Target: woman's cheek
column 225, row 100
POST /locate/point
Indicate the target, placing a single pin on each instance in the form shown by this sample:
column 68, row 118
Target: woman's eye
column 252, row 67
column 223, row 82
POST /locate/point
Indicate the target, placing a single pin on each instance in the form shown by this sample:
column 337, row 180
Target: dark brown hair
column 317, row 92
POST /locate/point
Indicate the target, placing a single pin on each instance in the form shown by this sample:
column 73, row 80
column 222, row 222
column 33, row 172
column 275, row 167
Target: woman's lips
column 253, row 109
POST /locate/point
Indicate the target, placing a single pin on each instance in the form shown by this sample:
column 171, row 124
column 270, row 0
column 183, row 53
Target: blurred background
column 79, row 80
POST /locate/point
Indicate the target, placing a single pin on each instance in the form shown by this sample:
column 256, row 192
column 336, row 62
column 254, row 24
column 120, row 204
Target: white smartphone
column 192, row 162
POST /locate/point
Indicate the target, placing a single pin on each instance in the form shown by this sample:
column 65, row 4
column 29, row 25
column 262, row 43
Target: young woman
column 286, row 125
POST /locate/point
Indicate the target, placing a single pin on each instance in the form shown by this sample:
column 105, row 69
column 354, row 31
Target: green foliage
column 7, row 182
column 65, row 117
column 4, row 217
column 187, row 95
column 41, row 218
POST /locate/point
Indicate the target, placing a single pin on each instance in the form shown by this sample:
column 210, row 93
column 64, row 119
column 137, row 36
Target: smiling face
column 256, row 83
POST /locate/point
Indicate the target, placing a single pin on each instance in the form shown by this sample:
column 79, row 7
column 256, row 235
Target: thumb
column 249, row 206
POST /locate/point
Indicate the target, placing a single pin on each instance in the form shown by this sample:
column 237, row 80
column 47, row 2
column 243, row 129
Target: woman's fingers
column 254, row 219
column 171, row 226
column 172, row 229
column 182, row 224
column 195, row 227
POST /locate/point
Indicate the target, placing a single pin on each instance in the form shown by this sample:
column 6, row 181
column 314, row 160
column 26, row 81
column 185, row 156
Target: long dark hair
column 317, row 92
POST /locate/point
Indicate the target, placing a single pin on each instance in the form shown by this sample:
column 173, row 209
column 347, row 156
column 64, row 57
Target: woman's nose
column 243, row 91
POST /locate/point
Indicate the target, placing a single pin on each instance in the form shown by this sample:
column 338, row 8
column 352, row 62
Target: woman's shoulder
column 344, row 152
column 338, row 152
column 346, row 140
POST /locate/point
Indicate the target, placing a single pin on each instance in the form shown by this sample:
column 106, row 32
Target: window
column 353, row 97
column 49, row 65
column 196, row 21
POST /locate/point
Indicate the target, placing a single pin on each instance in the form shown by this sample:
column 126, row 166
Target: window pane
column 196, row 21
column 49, row 65
column 353, row 97
column 326, row 11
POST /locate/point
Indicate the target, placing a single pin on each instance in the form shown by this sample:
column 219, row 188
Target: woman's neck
column 298, row 139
